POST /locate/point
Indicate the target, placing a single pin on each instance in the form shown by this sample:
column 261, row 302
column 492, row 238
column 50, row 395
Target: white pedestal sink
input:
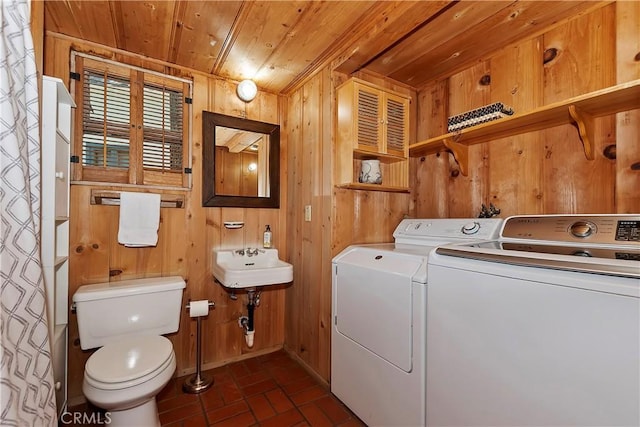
column 248, row 268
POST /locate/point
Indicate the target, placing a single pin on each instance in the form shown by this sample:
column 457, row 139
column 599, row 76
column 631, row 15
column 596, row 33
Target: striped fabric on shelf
column 484, row 114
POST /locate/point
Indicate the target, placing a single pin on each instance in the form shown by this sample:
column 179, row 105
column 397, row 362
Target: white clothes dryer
column 379, row 314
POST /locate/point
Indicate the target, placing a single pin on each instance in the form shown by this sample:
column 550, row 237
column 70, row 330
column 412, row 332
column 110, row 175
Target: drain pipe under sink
column 246, row 322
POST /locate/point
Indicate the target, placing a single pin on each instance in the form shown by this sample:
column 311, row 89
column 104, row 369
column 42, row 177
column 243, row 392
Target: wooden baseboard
column 307, row 368
column 229, row 360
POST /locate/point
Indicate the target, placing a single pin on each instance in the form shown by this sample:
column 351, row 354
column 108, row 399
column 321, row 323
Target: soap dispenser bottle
column 266, row 241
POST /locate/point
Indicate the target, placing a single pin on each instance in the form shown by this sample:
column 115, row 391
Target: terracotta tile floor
column 272, row 390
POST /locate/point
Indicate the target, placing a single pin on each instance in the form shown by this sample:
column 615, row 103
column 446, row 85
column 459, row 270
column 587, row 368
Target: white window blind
column 106, row 118
column 162, row 129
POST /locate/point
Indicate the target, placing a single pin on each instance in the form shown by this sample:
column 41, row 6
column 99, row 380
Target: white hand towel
column 139, row 219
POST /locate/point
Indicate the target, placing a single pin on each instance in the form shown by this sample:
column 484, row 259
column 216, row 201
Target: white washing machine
column 379, row 313
column 539, row 328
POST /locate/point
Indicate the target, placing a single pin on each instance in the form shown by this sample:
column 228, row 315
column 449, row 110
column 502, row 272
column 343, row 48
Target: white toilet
column 135, row 362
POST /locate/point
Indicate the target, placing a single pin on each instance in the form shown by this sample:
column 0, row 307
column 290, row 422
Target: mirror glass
column 240, row 162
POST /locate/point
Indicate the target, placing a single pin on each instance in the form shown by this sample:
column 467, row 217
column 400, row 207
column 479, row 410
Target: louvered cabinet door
column 369, row 119
column 396, row 125
column 373, row 123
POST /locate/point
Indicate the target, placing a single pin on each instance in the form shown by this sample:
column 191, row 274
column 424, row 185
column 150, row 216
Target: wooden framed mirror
column 241, row 162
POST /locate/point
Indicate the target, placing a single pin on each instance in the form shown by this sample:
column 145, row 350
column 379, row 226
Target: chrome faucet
column 254, row 251
column 249, row 251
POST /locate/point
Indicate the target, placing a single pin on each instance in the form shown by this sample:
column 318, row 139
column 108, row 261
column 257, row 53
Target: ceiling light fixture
column 247, row 90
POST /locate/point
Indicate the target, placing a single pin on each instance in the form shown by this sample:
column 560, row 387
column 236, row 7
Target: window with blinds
column 162, row 129
column 134, row 125
column 105, row 119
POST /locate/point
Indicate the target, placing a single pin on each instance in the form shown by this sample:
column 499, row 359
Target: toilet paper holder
column 198, row 382
column 211, row 305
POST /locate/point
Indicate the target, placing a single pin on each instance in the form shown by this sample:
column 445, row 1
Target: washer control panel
column 628, row 231
column 446, row 230
column 582, row 229
column 470, row 228
column 592, row 229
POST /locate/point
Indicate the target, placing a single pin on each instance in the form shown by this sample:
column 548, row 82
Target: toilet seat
column 128, row 362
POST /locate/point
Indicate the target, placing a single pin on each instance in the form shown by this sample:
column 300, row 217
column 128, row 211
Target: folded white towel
column 139, row 219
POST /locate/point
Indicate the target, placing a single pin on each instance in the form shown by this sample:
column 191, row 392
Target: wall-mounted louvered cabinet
column 373, row 123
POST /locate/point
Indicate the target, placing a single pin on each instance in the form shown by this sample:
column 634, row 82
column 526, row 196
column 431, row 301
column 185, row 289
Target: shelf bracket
column 460, row 153
column 584, row 123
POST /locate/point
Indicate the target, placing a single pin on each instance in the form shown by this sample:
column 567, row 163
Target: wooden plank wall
column 36, row 24
column 309, row 184
column 232, row 174
column 186, row 236
column 627, row 128
column 340, row 217
column 546, row 171
column 540, row 172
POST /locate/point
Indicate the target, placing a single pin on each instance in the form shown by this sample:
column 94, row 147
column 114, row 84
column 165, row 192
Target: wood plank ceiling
column 280, row 43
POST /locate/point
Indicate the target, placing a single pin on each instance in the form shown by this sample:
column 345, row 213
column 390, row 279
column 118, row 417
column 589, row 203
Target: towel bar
column 112, row 198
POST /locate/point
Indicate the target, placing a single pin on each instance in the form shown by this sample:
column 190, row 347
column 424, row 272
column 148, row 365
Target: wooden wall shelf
column 580, row 110
column 387, row 158
column 373, row 187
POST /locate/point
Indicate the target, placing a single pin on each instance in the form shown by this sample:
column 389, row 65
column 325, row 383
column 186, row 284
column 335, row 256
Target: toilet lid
column 129, row 359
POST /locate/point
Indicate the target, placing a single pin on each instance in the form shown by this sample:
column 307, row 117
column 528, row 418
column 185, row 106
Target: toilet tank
column 110, row 311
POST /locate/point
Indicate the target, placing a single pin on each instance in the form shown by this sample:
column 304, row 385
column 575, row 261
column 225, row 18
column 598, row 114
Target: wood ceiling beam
column 388, row 21
column 372, row 43
column 348, row 39
column 115, row 9
column 234, row 32
column 176, row 31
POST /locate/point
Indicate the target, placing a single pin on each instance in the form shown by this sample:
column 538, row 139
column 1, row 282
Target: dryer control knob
column 471, row 228
column 582, row 229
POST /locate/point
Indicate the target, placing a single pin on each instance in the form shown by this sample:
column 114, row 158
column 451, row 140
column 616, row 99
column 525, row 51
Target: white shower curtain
column 27, row 394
